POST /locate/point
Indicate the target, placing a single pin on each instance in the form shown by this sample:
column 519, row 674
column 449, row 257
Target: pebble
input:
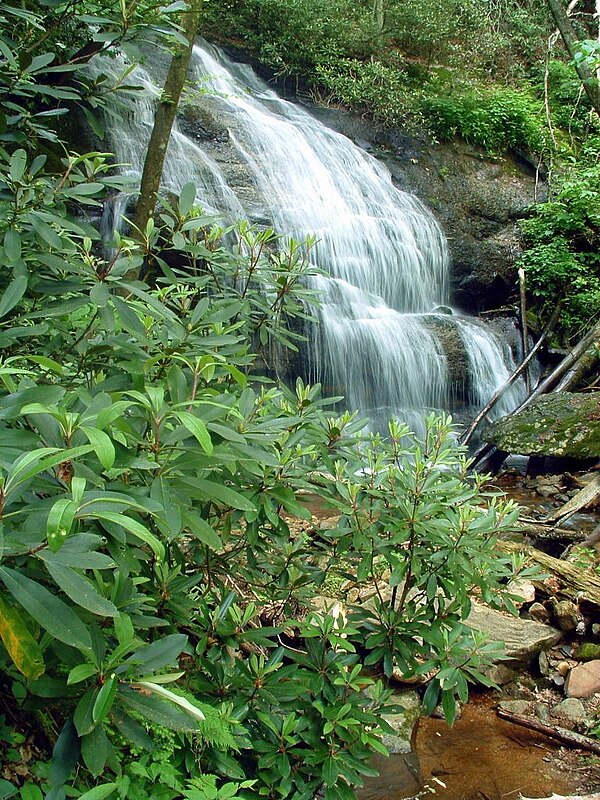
column 563, row 668
column 570, row 709
column 515, row 706
column 539, row 613
column 567, row 615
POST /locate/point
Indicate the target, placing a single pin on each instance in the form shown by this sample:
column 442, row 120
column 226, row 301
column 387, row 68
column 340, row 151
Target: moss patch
column 562, row 424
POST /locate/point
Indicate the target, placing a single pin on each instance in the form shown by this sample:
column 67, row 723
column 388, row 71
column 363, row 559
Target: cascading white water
column 384, row 254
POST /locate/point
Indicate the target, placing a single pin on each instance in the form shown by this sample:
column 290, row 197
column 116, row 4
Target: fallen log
column 584, row 497
column 576, row 583
column 545, row 529
column 564, row 735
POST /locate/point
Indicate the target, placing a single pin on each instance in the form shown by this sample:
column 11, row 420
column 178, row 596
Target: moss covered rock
column 563, row 424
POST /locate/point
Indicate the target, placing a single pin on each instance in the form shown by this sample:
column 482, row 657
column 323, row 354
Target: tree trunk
column 164, row 117
column 379, row 15
column 569, row 37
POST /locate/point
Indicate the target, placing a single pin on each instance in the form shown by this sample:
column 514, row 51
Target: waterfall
column 385, row 257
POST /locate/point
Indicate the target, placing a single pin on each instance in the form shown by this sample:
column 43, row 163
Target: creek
column 386, row 328
column 481, row 757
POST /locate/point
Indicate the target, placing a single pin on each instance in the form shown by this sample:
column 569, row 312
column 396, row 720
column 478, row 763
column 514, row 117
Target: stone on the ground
column 519, row 707
column 564, row 424
column 542, row 712
column 500, row 674
column 566, row 615
column 587, row 651
column 403, row 723
column 563, row 668
column 570, row 709
column 539, row 613
column 523, row 589
column 523, row 639
column 583, row 680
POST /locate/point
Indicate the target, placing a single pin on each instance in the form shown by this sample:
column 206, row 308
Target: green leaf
column 180, row 701
column 64, row 754
column 46, row 609
column 202, row 530
column 60, row 522
column 128, row 318
column 102, row 444
column 136, row 528
column 31, row 464
column 29, row 791
column 99, row 294
column 156, row 655
column 83, row 189
column 216, row 491
column 99, row 792
column 23, row 649
column 18, row 162
column 12, row 245
column 81, row 591
column 159, row 710
column 7, row 790
column 81, row 673
column 83, row 713
column 197, row 428
column 14, row 292
column 46, row 232
column 105, row 699
column 131, row 729
column 171, row 516
column 186, row 199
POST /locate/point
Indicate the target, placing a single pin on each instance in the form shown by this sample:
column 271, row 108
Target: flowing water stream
column 382, row 341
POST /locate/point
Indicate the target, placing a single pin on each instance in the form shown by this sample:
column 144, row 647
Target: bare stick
column 466, row 437
column 563, row 735
column 524, row 334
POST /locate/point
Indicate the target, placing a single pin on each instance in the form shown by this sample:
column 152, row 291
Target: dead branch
column 465, row 438
column 570, row 738
column 584, row 497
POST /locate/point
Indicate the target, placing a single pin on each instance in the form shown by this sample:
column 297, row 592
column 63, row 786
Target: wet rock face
column 563, row 425
column 478, row 201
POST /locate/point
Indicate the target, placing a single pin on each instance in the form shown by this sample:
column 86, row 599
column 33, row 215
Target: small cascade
column 384, row 255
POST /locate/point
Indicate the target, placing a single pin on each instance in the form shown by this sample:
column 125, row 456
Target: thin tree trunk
column 164, row 117
column 569, row 37
column 524, row 331
column 379, row 15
